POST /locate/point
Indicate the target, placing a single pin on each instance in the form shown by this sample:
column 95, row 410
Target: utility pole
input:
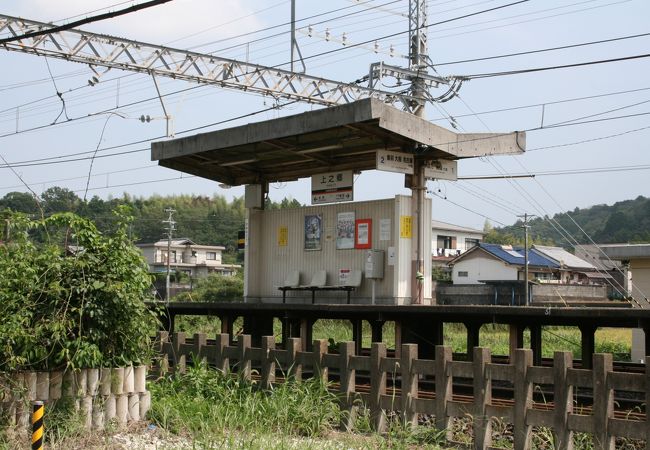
column 418, row 60
column 170, row 229
column 525, row 226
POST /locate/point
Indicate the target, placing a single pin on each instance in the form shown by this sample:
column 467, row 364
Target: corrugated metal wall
column 274, row 262
column 268, row 263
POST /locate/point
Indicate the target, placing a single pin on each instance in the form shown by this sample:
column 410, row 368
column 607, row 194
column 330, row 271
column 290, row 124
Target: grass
column 63, row 429
column 215, row 410
column 205, row 402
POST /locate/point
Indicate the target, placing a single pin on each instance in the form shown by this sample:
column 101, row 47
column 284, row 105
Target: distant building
column 448, row 241
column 494, row 262
column 636, row 259
column 188, row 257
column 572, row 269
column 618, row 285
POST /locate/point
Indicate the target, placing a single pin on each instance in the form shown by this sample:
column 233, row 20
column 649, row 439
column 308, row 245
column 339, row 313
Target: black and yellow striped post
column 37, row 426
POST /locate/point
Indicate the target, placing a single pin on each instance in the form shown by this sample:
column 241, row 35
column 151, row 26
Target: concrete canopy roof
column 326, row 140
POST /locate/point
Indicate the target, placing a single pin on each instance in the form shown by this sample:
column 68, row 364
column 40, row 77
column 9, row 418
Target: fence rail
column 411, row 395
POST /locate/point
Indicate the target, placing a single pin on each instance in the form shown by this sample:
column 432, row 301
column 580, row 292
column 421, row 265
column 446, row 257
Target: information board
column 398, row 162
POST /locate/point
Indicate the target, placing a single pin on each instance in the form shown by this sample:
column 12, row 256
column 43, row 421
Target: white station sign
column 441, row 169
column 399, row 162
column 332, row 187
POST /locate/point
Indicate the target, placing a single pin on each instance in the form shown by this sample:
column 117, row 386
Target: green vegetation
column 204, row 220
column 65, row 294
column 625, row 221
column 215, row 288
column 226, row 402
column 224, row 411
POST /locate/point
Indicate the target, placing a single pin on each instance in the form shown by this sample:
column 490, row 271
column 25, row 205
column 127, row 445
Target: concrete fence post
column 179, row 358
column 221, row 362
column 603, row 401
column 563, row 400
column 443, row 388
column 409, row 383
column 523, row 359
column 244, row 345
column 348, row 378
column 294, row 367
column 319, row 347
column 267, row 362
column 199, row 342
column 162, row 338
column 482, row 398
column 377, row 385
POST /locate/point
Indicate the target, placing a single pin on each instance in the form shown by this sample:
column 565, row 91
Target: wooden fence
column 405, row 386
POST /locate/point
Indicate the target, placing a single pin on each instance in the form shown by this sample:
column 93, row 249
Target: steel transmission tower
column 418, row 53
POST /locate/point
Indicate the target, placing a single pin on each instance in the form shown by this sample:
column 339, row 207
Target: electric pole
column 525, row 226
column 418, row 60
column 170, row 229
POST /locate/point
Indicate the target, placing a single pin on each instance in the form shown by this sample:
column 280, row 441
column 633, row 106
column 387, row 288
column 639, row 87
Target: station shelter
column 387, row 240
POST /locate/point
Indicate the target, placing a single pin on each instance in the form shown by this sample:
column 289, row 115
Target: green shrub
column 77, row 299
column 215, row 288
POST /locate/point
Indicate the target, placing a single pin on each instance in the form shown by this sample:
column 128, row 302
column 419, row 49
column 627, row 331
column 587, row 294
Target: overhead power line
column 583, row 171
column 76, row 23
column 542, row 69
column 59, row 159
column 542, row 50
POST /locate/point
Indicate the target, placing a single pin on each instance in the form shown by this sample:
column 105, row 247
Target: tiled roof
column 563, row 257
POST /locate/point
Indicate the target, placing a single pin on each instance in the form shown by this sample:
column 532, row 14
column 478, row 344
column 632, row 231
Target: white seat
column 292, row 280
column 354, row 279
column 318, row 280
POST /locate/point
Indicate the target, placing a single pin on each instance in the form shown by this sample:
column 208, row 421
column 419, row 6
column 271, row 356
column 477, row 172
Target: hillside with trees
column 205, row 220
column 627, row 221
column 216, row 221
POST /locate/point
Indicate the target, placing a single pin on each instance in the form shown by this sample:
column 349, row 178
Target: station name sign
column 332, row 187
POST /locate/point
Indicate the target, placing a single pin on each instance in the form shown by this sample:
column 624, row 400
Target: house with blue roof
column 494, row 262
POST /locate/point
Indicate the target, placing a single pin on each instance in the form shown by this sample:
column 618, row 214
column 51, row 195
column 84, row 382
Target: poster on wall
column 363, row 233
column 345, row 230
column 313, row 232
column 384, row 229
column 406, row 227
column 283, row 236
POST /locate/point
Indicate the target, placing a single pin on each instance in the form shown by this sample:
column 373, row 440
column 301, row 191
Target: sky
column 574, row 116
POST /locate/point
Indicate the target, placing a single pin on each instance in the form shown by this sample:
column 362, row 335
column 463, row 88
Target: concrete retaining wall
column 101, row 396
column 485, row 294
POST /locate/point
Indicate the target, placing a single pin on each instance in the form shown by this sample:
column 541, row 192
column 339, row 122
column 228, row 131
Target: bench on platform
column 319, row 283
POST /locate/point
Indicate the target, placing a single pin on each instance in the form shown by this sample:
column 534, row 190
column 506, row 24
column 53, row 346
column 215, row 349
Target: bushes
column 216, row 288
column 77, row 299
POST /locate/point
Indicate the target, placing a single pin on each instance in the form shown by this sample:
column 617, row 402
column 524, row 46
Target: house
column 494, row 262
column 636, row 259
column 186, row 256
column 572, row 269
column 494, row 274
column 619, row 278
column 449, row 240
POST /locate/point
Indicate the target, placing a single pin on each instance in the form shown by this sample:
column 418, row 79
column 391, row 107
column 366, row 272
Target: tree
column 58, row 199
column 19, row 202
column 80, row 303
